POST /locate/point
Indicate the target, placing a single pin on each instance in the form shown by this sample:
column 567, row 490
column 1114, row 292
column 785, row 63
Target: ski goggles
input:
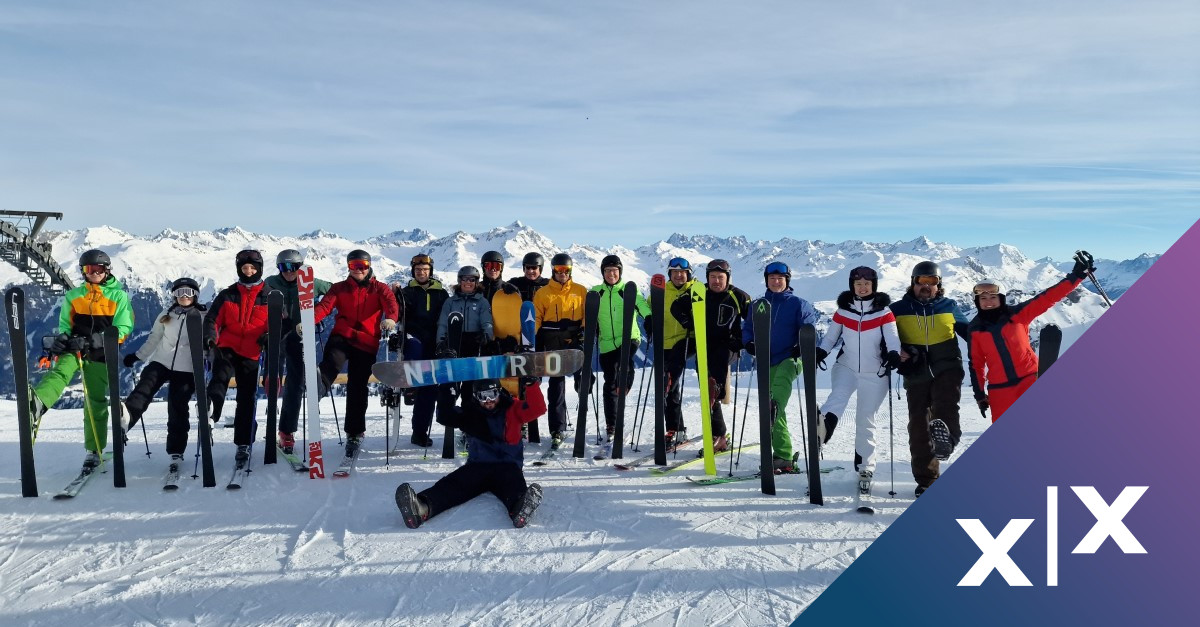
column 562, row 269
column 679, row 263
column 357, row 265
column 987, row 289
column 863, row 273
column 421, row 260
column 289, row 266
column 94, row 268
column 488, row 396
column 493, row 265
column 777, row 267
column 183, row 292
column 927, row 279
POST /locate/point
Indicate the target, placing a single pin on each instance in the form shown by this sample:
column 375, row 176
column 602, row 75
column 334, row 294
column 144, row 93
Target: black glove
column 796, row 353
column 507, row 344
column 892, row 359
column 529, row 381
column 262, row 341
column 648, row 322
column 210, row 342
column 983, row 405
column 396, row 342
column 508, row 288
column 749, row 347
column 821, row 355
column 78, row 344
column 735, row 342
column 445, row 352
column 684, row 317
column 130, row 360
column 578, row 338
column 57, row 345
column 1083, row 264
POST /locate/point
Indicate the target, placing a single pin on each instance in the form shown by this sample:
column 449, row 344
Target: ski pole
column 387, row 411
column 891, row 438
column 1079, row 256
column 736, row 381
column 745, row 407
column 329, row 388
column 803, row 422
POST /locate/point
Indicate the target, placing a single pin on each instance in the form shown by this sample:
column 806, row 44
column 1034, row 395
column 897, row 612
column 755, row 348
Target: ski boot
column 91, row 462
column 825, row 427
column 353, row 443
column 242, row 457
column 556, row 439
column 287, row 442
column 529, row 502
column 864, row 482
column 721, row 444
column 412, row 509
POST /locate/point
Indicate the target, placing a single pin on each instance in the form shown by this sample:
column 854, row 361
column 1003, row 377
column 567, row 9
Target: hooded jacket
column 867, row 330
column 1000, row 348
column 168, row 343
column 610, row 321
column 360, row 310
column 90, row 308
column 788, row 313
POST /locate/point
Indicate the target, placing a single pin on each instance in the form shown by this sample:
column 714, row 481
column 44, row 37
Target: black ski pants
column 504, row 479
column 928, row 400
column 179, row 395
column 718, row 375
column 612, row 385
column 338, row 354
column 676, row 361
column 227, row 365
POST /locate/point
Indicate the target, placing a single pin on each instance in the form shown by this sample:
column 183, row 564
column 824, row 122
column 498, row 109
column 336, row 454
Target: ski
column 699, row 294
column 292, row 459
column 111, row 359
column 761, row 319
column 545, row 458
column 685, row 463
column 347, row 466
column 274, row 333
column 658, row 285
column 72, row 490
column 195, row 332
column 864, row 503
column 171, row 480
column 605, row 452
column 629, row 303
column 306, row 290
column 591, row 315
column 707, row 480
column 654, row 456
column 14, row 303
column 1049, row 344
column 241, row 470
column 808, row 352
column 528, row 333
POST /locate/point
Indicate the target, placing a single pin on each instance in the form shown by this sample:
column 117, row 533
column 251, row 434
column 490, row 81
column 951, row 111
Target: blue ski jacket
column 788, row 312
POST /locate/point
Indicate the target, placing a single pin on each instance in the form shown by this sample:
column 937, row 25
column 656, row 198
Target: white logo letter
column 1108, row 519
column 995, row 552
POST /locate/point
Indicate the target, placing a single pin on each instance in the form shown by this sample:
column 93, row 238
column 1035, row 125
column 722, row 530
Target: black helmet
column 421, row 259
column 926, row 268
column 468, row 271
column 562, row 259
column 864, row 272
column 533, row 259
column 491, row 255
column 358, row 253
column 185, row 282
column 719, row 265
column 252, row 257
column 291, row 257
column 487, row 390
column 95, row 257
column 611, row 261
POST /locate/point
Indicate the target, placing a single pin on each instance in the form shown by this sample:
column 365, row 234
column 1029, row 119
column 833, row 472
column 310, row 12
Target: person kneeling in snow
column 496, row 454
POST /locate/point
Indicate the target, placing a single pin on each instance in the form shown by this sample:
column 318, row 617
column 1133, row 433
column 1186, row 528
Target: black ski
column 14, row 302
column 111, row 358
column 241, row 470
column 642, row 460
column 274, row 334
column 591, row 313
column 1049, row 343
column 761, row 312
column 454, row 329
column 195, row 331
column 658, row 297
column 808, row 358
column 629, row 302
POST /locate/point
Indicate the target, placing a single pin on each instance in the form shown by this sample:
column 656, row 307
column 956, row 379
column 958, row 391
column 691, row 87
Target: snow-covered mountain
column 820, row 269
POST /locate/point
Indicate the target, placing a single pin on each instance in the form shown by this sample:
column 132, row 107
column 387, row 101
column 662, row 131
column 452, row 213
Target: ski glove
column 508, row 288
column 749, row 347
column 57, row 345
column 821, row 355
column 893, row 360
column 387, row 325
column 648, row 321
column 130, row 360
column 396, row 342
column 796, row 352
column 983, row 406
column 1083, row 264
column 262, row 341
column 506, row 345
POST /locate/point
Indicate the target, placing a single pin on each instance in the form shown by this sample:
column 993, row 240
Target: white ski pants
column 872, row 390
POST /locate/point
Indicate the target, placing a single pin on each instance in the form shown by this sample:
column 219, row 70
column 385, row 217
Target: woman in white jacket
column 866, row 328
column 168, row 358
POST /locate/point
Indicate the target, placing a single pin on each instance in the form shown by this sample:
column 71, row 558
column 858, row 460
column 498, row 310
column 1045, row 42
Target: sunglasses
column 487, row 396
column 469, row 279
column 987, row 289
column 777, row 267
column 289, row 266
column 95, row 268
column 528, row 268
column 679, row 263
column 863, row 273
column 493, row 265
column 184, row 292
column 562, row 269
column 419, row 260
column 928, row 279
column 358, row 264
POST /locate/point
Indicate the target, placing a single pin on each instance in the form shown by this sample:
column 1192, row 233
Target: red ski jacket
column 360, row 309
column 237, row 319
column 1001, row 347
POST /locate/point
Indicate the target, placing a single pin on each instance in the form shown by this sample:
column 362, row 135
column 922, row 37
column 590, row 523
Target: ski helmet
column 719, row 265
column 864, row 272
column 289, row 260
column 357, row 254
column 611, row 261
column 533, row 259
column 778, row 267
column 562, row 259
column 926, row 268
column 180, row 287
column 988, row 286
column 679, row 263
column 95, row 257
column 466, row 272
column 487, row 390
column 252, row 257
column 492, row 255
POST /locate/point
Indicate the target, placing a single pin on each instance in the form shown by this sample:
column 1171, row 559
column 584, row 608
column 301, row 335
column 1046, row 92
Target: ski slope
column 605, row 548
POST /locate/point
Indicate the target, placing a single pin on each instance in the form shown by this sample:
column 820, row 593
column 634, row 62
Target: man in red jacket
column 999, row 334
column 365, row 307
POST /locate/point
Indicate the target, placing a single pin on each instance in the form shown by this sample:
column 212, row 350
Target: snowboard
column 422, row 372
column 528, row 333
column 761, row 321
column 808, row 358
column 591, row 315
column 629, row 308
column 14, row 302
column 306, row 289
column 111, row 358
column 274, row 329
column 1049, row 343
column 699, row 294
column 195, row 332
column 658, row 298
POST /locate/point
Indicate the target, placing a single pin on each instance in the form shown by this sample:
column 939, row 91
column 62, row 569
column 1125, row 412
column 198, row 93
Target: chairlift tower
column 18, row 246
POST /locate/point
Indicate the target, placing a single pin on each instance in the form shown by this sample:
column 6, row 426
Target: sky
column 1048, row 126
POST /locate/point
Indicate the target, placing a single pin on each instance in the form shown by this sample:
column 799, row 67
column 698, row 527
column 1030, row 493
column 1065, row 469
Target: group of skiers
column 916, row 336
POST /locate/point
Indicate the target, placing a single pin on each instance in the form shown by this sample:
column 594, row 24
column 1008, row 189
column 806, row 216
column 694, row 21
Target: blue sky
column 1049, row 126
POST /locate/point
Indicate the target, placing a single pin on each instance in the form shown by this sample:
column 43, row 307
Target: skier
column 168, row 356
column 932, row 367
column 86, row 311
column 287, row 262
column 423, row 300
column 477, row 329
column 532, row 280
column 726, row 309
column 492, row 263
column 788, row 313
column 558, row 311
column 678, row 345
column 866, row 329
column 496, row 454
column 366, row 308
column 610, row 333
column 1000, row 350
column 236, row 334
